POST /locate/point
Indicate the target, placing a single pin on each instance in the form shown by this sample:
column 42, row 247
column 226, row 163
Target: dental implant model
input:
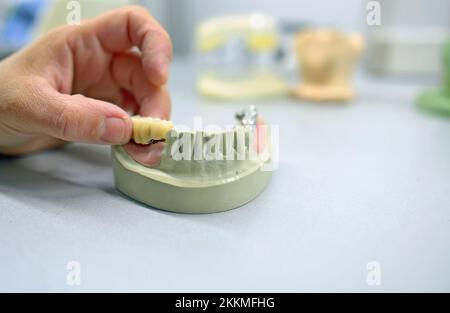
column 199, row 171
column 147, row 130
column 326, row 58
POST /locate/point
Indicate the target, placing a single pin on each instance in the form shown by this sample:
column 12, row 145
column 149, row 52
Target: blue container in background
column 17, row 22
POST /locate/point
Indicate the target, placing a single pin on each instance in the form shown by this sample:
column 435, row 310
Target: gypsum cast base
column 197, row 186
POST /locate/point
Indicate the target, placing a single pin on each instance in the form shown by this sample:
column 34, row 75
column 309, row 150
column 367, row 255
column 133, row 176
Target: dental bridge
column 199, row 171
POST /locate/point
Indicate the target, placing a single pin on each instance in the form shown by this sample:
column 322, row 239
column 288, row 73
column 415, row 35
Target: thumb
column 78, row 118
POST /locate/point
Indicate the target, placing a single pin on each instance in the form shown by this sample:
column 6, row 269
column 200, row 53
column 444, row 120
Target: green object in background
column 447, row 67
column 435, row 100
column 439, row 100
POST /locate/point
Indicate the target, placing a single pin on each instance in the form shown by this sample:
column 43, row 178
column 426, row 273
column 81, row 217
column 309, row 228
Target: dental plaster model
column 326, row 59
column 199, row 172
column 238, row 54
column 439, row 100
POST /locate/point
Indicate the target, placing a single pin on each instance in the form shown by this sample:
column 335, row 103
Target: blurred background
column 407, row 40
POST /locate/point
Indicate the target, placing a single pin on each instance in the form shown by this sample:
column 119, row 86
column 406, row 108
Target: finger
column 129, row 103
column 133, row 26
column 87, row 120
column 148, row 155
column 71, row 118
column 153, row 101
column 157, row 104
column 128, row 73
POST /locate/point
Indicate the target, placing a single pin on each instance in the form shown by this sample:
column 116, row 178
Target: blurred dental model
column 326, row 58
column 238, row 57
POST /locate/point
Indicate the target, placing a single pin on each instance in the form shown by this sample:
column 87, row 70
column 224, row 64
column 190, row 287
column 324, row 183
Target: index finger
column 122, row 29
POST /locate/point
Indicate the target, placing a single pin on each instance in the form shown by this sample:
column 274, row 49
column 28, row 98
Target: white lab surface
column 360, row 202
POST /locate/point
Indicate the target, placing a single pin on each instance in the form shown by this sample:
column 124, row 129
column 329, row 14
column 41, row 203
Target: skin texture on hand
column 81, row 82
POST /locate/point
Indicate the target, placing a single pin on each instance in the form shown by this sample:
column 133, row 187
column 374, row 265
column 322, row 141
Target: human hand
column 77, row 83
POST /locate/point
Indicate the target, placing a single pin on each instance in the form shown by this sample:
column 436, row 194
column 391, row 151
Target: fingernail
column 164, row 64
column 114, row 130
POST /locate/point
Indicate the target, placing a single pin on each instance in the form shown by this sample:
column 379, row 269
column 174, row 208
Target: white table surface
column 359, row 183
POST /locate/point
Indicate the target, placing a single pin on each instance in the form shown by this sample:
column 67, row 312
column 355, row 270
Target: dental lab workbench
column 356, row 184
